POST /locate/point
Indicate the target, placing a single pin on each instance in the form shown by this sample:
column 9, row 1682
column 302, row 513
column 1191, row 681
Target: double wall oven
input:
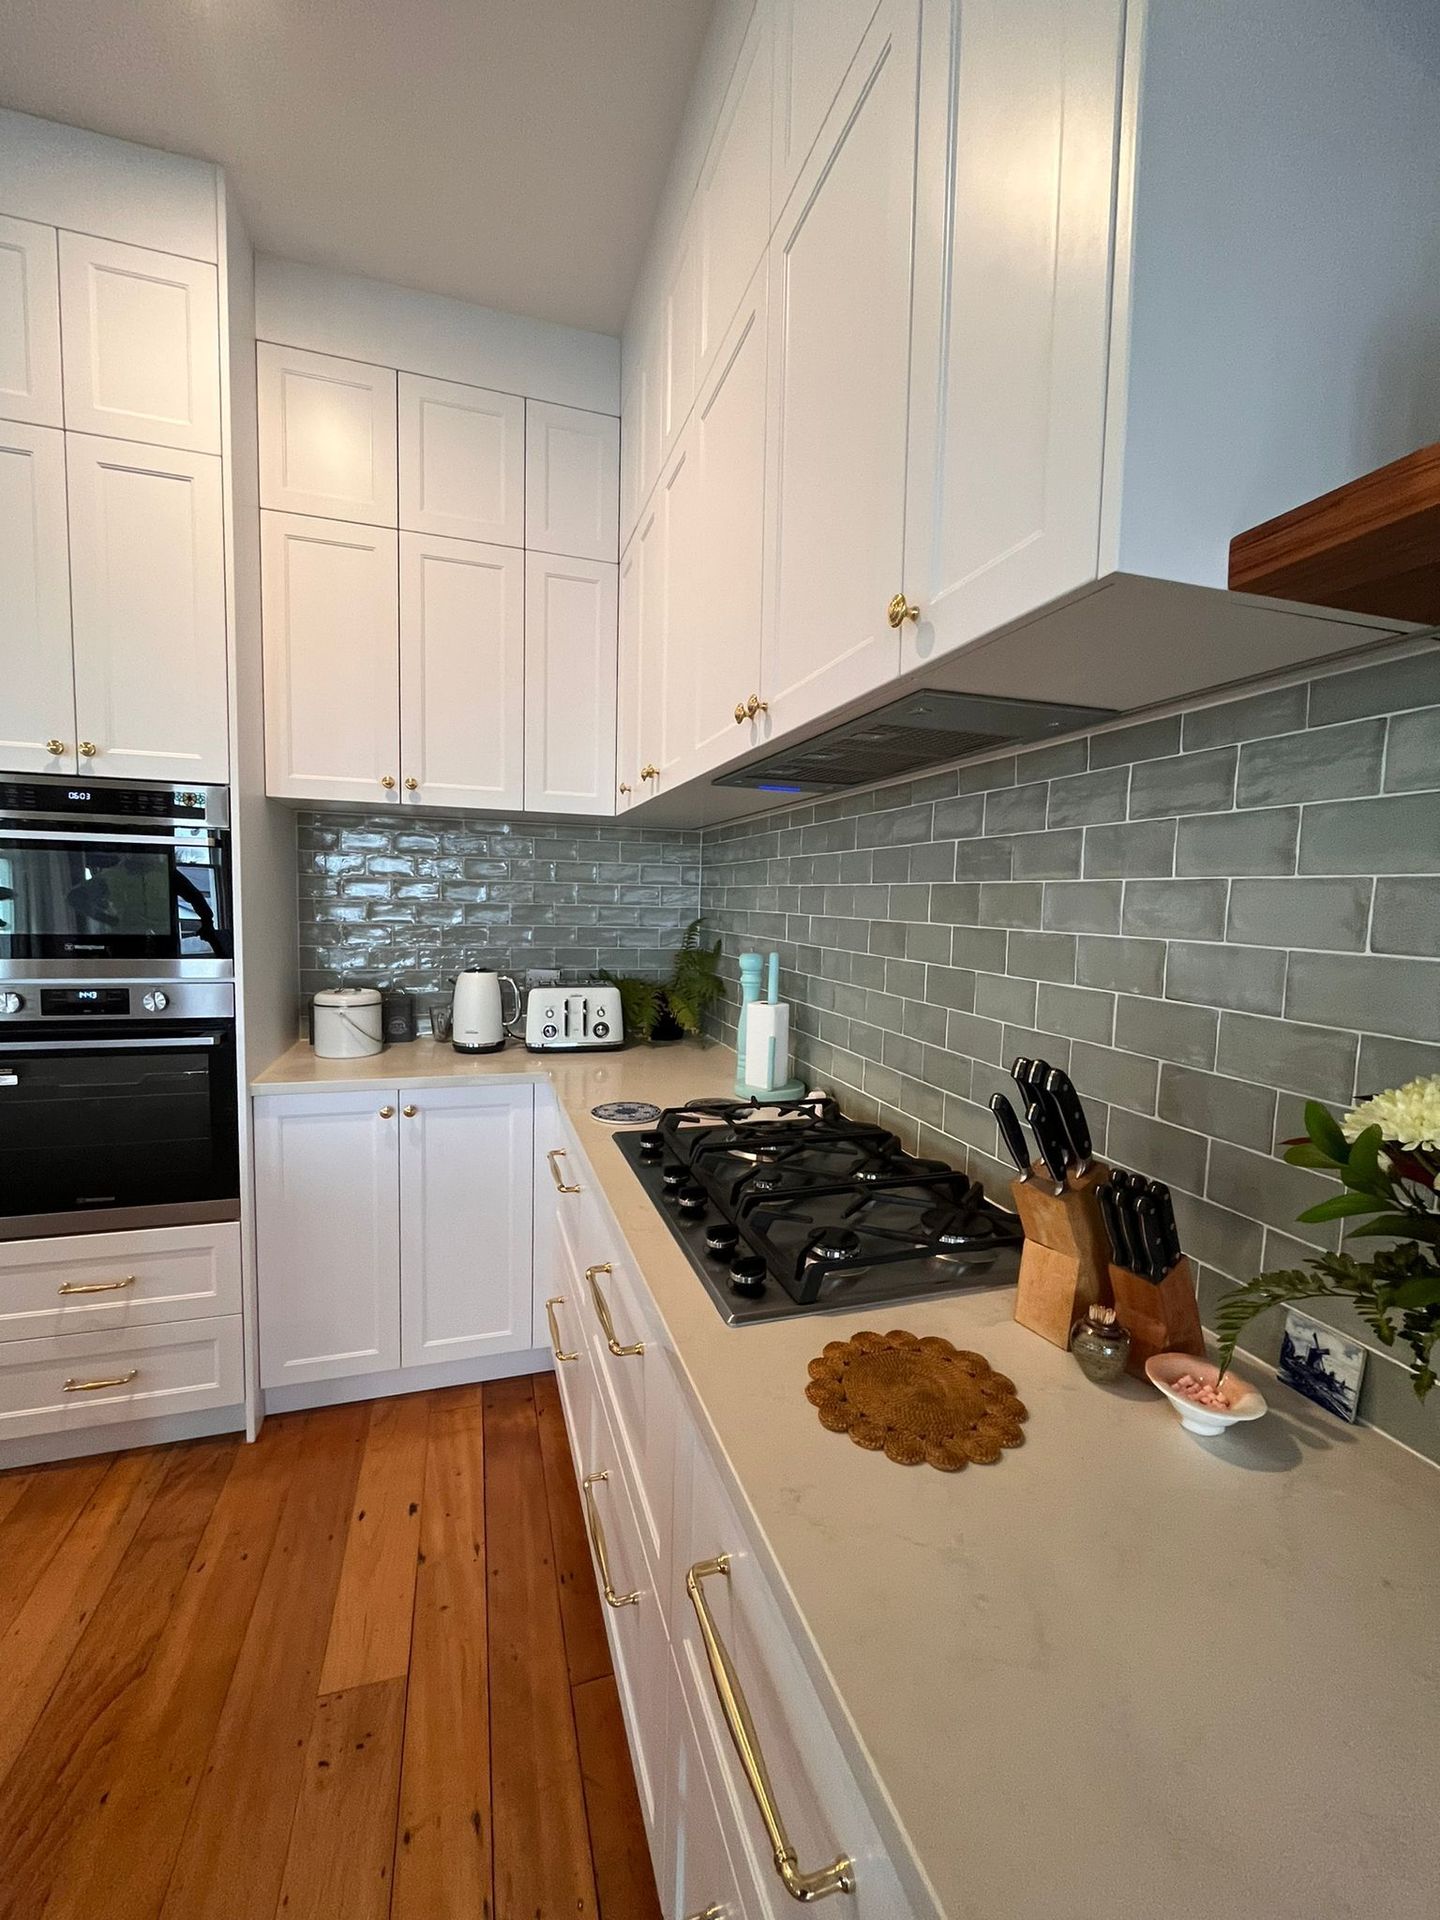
column 118, row 1075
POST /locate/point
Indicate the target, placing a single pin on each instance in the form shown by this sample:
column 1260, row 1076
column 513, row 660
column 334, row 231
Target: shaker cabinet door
column 327, row 1206
column 462, row 673
column 815, row 41
column 629, row 679
column 570, row 648
column 29, row 324
column 572, row 481
column 327, row 436
column 838, row 378
column 462, row 461
column 466, row 1171
column 37, row 709
column 142, row 344
column 147, row 568
column 329, row 595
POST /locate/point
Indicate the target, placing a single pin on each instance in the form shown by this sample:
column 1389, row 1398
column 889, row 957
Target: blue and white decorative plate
column 626, row 1113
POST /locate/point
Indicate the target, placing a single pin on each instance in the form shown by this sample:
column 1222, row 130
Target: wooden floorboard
column 174, row 1619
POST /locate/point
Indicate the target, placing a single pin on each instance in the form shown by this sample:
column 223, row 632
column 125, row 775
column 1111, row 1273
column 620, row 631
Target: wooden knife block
column 1065, row 1267
column 1163, row 1318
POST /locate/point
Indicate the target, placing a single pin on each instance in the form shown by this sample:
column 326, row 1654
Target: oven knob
column 155, row 1002
column 11, row 1002
column 747, row 1275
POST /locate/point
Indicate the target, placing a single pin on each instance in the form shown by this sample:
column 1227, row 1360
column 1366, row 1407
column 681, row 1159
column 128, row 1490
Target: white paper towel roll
column 767, row 1044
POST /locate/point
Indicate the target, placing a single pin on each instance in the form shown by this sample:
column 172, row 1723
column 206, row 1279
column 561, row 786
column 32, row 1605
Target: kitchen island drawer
column 94, row 1282
column 94, row 1379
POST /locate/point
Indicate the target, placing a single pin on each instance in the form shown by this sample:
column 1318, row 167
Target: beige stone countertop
column 1123, row 1674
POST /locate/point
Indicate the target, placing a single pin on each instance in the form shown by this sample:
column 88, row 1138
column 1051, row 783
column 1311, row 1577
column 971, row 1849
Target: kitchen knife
column 1152, row 1237
column 1012, row 1133
column 1131, row 1236
column 1110, row 1214
column 1061, row 1089
column 1169, row 1231
column 1048, row 1140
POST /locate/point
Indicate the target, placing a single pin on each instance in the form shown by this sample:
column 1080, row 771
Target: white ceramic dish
column 1246, row 1402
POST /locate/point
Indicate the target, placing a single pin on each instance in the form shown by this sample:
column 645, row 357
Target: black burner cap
column 691, row 1199
column 747, row 1275
column 674, row 1174
column 836, row 1243
column 721, row 1239
column 652, row 1144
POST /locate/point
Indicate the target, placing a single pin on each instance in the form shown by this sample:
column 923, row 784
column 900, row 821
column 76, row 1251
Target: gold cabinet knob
column 411, row 786
column 650, row 773
column 755, row 705
column 54, row 746
column 741, row 713
column 88, row 749
column 900, row 610
column 387, row 780
column 624, row 786
column 387, row 1113
column 409, row 1112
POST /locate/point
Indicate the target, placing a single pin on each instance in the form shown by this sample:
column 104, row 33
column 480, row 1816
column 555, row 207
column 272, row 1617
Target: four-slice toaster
column 564, row 1019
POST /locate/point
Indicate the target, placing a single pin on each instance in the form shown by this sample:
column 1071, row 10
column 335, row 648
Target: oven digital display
column 73, row 1000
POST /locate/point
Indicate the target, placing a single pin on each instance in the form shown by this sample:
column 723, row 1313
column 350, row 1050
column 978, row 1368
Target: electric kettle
column 480, row 1024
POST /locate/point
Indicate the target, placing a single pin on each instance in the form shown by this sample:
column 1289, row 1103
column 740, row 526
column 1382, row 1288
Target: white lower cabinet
column 393, row 1228
column 77, row 1380
column 91, row 1282
column 701, row 1879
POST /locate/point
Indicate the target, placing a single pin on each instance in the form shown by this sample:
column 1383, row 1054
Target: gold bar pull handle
column 550, row 1306
column 557, row 1173
column 96, row 1286
column 602, row 1314
column 597, row 1540
column 839, row 1876
column 95, row 1386
column 713, row 1912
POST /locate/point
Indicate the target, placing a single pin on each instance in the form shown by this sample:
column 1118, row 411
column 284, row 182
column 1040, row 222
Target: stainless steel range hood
column 923, row 729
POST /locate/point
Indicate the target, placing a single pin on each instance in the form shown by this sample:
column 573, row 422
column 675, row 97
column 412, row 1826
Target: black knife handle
column 1169, row 1231
column 1147, row 1213
column 1012, row 1133
column 1061, row 1089
column 1110, row 1214
column 1133, row 1252
column 1052, row 1152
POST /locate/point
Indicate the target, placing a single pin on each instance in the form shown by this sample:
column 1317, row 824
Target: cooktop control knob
column 155, row 1002
column 721, row 1239
column 747, row 1275
column 674, row 1175
column 652, row 1145
column 11, row 1002
column 692, row 1200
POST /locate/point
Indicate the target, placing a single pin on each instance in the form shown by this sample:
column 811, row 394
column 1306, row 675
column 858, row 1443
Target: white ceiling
column 509, row 152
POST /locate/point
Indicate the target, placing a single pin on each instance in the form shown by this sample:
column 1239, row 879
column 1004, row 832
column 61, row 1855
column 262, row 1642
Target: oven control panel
column 34, row 1000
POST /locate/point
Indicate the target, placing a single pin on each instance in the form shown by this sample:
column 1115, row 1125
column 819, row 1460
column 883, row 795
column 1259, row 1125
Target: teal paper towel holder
column 751, row 967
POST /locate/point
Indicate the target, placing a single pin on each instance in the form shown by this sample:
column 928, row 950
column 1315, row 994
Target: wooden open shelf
column 1372, row 546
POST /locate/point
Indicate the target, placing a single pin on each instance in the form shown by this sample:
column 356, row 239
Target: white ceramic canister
column 348, row 1023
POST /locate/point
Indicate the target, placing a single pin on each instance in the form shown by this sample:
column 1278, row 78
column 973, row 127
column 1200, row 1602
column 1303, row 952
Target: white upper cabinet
column 327, row 1191
column 838, row 377
column 572, row 481
column 733, row 197
column 673, row 618
column 679, row 336
column 29, row 324
column 462, row 461
column 570, row 647
column 147, row 569
column 37, row 710
column 1011, row 313
column 815, row 41
column 462, row 673
column 729, row 442
column 466, row 1172
column 142, row 344
column 327, row 436
column 628, row 785
column 330, row 603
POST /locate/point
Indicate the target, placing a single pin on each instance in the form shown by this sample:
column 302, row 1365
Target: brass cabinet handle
column 650, row 772
column 88, row 749
column 96, row 1286
column 624, row 786
column 713, row 1912
column 597, row 1540
column 900, row 610
column 556, row 1174
column 95, row 1386
column 550, row 1306
column 54, row 746
column 741, row 713
column 839, row 1876
column 602, row 1314
column 387, row 780
column 409, row 1112
column 387, row 1113
column 755, row 705
column 411, row 785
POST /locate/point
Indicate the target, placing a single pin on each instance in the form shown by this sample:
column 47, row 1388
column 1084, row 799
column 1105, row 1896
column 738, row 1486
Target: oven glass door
column 101, row 1129
column 114, row 893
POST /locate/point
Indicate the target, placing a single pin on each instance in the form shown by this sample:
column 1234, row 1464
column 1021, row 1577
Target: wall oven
column 118, row 1106
column 106, row 880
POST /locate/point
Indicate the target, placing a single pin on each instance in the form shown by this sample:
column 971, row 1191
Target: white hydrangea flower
column 1409, row 1115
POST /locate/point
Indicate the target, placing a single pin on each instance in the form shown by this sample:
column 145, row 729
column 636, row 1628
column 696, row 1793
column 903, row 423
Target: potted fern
column 1386, row 1152
column 658, row 1010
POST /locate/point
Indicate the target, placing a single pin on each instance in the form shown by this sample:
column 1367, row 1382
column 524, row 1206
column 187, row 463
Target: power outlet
column 542, row 976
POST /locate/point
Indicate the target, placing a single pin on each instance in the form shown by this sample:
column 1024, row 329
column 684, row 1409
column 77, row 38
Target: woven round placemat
column 916, row 1401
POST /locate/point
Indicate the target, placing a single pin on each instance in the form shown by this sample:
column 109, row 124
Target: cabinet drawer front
column 812, row 1786
column 96, row 1379
column 88, row 1282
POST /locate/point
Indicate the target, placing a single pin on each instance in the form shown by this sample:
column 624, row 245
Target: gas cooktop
column 793, row 1208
